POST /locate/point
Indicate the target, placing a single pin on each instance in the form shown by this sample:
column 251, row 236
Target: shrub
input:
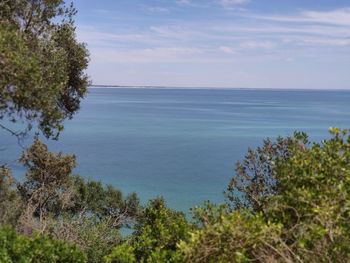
column 36, row 248
column 304, row 219
column 236, row 236
column 156, row 236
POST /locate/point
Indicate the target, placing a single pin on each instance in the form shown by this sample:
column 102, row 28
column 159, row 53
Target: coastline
column 95, row 86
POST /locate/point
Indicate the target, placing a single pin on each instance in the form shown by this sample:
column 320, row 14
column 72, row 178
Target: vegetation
column 293, row 206
column 288, row 202
column 156, row 235
column 37, row 248
column 256, row 176
column 42, row 65
column 52, row 201
column 304, row 219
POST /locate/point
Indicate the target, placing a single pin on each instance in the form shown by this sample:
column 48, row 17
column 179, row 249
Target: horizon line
column 210, row 87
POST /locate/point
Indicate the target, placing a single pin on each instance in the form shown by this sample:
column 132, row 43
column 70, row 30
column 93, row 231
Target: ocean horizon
column 107, row 86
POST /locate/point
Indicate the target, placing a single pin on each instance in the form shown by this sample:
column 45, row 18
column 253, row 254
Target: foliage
column 233, row 237
column 42, row 65
column 156, row 236
column 92, row 197
column 305, row 220
column 19, row 248
column 255, row 177
column 51, row 200
column 294, row 207
column 45, row 190
column 50, row 190
column 42, row 81
column 10, row 201
column 94, row 236
column 314, row 201
column 123, row 253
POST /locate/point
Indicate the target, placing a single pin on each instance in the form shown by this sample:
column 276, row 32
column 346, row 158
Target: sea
column 182, row 144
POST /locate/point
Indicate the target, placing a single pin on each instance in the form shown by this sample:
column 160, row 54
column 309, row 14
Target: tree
column 314, row 199
column 42, row 65
column 45, row 190
column 305, row 220
column 105, row 202
column 255, row 178
column 52, row 201
column 156, row 235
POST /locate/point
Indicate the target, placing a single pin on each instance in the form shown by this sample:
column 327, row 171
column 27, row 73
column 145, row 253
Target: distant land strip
column 152, row 86
column 210, row 87
column 161, row 87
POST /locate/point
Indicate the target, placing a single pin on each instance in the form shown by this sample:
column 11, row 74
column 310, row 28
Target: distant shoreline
column 95, row 86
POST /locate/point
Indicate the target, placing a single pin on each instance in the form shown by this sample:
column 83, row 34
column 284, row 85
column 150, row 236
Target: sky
column 278, row 44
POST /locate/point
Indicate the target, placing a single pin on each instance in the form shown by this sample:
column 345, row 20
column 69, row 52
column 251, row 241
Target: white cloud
column 94, row 37
column 224, row 3
column 158, row 9
column 248, row 45
column 228, row 50
column 257, row 45
column 338, row 16
column 178, row 32
column 227, row 3
column 286, row 29
column 144, row 55
column 317, row 41
column 183, row 2
column 332, row 17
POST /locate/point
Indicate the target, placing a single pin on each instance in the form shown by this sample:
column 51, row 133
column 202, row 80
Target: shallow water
column 183, row 144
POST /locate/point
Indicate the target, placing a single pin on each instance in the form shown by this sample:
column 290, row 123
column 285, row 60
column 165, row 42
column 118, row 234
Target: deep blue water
column 183, row 144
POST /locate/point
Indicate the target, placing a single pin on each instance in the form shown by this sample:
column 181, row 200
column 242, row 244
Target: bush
column 156, row 236
column 38, row 248
column 314, row 199
column 255, row 177
column 237, row 236
column 306, row 218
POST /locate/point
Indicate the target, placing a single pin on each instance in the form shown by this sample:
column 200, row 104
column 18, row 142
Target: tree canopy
column 42, row 65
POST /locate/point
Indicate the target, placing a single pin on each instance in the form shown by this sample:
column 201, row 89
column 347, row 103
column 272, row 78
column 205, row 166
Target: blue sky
column 283, row 44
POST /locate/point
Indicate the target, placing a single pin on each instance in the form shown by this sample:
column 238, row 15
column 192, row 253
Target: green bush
column 304, row 219
column 124, row 253
column 237, row 236
column 313, row 203
column 37, row 248
column 156, row 236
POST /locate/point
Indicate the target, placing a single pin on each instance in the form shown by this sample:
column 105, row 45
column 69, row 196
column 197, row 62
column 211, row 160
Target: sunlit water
column 183, row 144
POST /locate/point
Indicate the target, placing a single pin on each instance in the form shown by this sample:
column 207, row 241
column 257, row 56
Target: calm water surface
column 183, row 144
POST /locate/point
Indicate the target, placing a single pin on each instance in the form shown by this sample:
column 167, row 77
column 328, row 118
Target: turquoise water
column 183, row 144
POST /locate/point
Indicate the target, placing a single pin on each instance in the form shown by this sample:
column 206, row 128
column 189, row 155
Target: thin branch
column 19, row 135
